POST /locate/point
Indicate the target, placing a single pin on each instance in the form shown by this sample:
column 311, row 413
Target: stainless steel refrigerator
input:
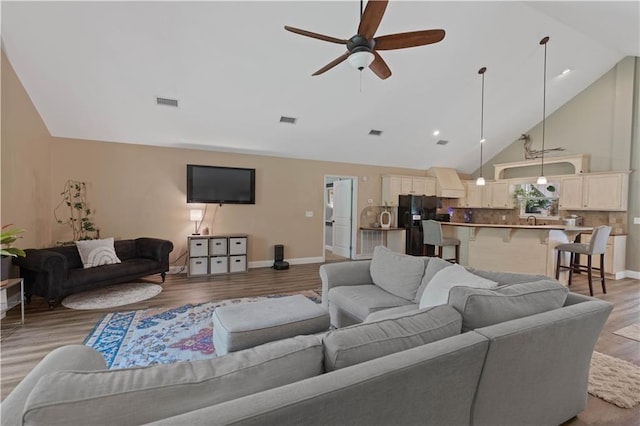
column 412, row 210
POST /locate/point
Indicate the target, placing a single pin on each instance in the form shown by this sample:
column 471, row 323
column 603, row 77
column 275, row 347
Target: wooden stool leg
column 570, row 268
column 604, row 288
column 558, row 264
column 589, row 274
column 458, row 254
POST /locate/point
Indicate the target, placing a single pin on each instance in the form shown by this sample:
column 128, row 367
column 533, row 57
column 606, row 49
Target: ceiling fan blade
column 332, row 64
column 371, row 18
column 379, row 67
column 315, row 35
column 410, row 39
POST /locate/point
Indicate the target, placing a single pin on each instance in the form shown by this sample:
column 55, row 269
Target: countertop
column 547, row 227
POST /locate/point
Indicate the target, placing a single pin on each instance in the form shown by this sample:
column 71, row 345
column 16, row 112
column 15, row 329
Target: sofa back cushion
column 484, row 307
column 126, row 249
column 397, row 273
column 142, row 395
column 70, row 253
column 437, row 290
column 363, row 342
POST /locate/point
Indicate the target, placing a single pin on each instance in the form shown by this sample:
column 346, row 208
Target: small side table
column 7, row 303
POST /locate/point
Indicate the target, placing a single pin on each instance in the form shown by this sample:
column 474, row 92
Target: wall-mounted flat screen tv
column 220, row 185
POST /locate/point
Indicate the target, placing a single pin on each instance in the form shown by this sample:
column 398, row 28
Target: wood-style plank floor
column 22, row 347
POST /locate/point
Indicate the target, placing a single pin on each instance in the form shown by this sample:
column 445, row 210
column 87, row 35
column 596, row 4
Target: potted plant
column 79, row 216
column 7, row 237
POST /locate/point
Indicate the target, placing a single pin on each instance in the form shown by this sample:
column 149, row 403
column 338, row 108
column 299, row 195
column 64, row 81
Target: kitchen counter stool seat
column 596, row 246
column 432, row 235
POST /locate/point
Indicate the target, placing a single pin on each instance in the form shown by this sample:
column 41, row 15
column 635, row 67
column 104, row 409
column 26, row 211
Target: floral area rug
column 162, row 335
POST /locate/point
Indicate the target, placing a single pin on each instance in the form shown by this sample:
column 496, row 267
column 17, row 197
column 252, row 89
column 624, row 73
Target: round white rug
column 112, row 296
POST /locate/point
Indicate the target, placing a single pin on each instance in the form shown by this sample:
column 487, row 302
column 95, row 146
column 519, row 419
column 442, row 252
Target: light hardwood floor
column 22, row 347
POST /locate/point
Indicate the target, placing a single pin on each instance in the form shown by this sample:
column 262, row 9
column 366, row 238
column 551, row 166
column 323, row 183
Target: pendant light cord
column 544, row 100
column 481, row 71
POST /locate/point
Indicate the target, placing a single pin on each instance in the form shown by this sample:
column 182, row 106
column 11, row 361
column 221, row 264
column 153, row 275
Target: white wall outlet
column 309, row 214
column 636, row 220
column 370, row 201
column 504, row 217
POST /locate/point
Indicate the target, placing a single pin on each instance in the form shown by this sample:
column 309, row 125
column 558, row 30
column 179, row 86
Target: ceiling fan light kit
column 362, row 48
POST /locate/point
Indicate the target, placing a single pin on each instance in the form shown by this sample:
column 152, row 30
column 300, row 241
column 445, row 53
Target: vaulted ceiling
column 94, row 70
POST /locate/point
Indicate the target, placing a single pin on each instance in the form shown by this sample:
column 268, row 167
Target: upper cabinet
column 394, row 185
column 473, row 195
column 501, row 196
column 605, row 191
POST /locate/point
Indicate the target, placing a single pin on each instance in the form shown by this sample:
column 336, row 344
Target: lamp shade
column 480, row 181
column 361, row 60
column 196, row 215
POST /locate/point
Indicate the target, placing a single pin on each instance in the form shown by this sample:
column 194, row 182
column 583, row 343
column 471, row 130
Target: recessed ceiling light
column 436, row 132
column 566, row 71
column 374, row 132
column 289, row 120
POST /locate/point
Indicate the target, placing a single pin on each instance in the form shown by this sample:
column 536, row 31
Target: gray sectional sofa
column 468, row 361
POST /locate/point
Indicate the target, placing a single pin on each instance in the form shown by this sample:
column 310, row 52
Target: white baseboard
column 295, row 261
column 367, row 256
column 632, row 274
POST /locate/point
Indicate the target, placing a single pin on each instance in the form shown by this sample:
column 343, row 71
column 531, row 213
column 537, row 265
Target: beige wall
column 633, row 239
column 140, row 190
column 26, row 169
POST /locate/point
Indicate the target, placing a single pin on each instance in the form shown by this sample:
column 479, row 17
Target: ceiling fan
column 362, row 48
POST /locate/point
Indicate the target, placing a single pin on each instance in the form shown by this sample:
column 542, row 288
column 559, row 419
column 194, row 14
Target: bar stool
column 432, row 235
column 597, row 245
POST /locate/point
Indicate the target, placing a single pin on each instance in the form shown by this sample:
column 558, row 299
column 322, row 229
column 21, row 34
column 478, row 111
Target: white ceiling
column 94, row 69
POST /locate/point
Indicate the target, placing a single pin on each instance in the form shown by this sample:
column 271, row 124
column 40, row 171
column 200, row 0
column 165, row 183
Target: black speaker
column 278, row 257
column 278, row 253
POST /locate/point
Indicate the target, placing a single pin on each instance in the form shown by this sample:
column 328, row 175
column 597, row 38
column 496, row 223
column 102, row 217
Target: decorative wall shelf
column 580, row 164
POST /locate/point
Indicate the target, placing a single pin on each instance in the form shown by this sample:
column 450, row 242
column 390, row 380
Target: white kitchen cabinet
column 501, row 196
column 605, row 191
column 614, row 256
column 394, row 185
column 473, row 195
column 570, row 192
column 217, row 254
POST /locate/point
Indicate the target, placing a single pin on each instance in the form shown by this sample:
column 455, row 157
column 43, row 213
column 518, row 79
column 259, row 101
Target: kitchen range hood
column 448, row 183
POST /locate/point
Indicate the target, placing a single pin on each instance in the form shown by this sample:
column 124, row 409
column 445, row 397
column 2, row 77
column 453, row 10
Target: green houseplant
column 79, row 219
column 7, row 237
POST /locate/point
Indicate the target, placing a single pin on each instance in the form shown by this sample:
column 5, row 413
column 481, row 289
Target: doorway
column 340, row 222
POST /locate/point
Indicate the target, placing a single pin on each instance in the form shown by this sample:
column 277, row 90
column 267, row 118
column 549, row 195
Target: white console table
column 217, row 254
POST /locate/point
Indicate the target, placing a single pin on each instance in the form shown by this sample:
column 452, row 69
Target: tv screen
column 220, row 185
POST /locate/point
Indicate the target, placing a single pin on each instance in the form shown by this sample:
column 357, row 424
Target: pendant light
column 542, row 180
column 480, row 181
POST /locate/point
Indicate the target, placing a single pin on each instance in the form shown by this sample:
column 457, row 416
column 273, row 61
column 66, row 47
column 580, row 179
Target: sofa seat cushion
column 363, row 342
column 391, row 312
column 129, row 267
column 361, row 300
column 399, row 274
column 437, row 290
column 142, row 395
column 484, row 307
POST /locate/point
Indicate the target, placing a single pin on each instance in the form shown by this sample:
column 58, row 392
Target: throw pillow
column 397, row 273
column 366, row 341
column 483, row 307
column 437, row 291
column 97, row 252
column 434, row 265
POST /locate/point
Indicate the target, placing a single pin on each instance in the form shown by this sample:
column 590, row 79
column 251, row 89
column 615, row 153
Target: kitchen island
column 510, row 248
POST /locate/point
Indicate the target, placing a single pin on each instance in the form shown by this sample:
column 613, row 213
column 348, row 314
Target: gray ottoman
column 247, row 325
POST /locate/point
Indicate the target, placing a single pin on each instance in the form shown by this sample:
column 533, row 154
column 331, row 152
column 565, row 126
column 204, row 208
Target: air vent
column 442, row 142
column 374, row 132
column 167, row 101
column 290, row 120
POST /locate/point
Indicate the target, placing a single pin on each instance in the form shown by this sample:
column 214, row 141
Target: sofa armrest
column 71, row 357
column 154, row 248
column 342, row 274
